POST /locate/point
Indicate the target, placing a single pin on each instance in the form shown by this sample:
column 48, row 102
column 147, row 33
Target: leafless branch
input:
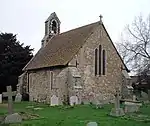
column 135, row 48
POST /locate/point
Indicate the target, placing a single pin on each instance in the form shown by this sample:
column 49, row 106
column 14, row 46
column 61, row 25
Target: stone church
column 82, row 62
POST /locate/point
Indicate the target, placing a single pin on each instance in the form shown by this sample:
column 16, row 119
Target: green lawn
column 77, row 116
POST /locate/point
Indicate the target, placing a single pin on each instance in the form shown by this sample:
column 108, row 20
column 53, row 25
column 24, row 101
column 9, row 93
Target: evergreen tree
column 13, row 57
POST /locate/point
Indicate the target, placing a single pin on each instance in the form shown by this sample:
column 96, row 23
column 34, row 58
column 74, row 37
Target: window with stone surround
column 54, row 26
column 52, row 80
column 96, row 52
column 100, row 61
column 104, row 62
column 77, row 81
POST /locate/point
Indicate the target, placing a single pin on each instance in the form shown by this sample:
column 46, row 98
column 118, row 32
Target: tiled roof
column 61, row 48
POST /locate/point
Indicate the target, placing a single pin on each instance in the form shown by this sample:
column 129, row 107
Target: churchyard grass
column 79, row 115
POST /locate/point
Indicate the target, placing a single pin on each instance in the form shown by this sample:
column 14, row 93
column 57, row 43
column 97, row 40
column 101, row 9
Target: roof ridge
column 77, row 28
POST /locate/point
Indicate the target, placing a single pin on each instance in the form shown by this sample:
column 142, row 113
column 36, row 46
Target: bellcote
column 52, row 28
column 52, row 24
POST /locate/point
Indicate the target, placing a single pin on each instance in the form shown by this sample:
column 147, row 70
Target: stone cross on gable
column 100, row 18
column 9, row 94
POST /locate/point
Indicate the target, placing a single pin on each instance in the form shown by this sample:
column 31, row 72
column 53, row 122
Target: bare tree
column 135, row 46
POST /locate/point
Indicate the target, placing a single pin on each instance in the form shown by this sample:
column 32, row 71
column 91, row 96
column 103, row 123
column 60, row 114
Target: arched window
column 96, row 52
column 54, row 27
column 100, row 61
column 52, row 80
column 104, row 61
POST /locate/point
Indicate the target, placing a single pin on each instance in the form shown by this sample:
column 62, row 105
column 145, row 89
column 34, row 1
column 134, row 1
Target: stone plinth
column 132, row 106
column 117, row 112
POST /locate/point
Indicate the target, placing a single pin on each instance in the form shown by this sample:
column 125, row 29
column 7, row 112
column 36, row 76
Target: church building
column 82, row 62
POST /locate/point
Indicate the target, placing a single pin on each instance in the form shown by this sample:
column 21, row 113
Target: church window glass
column 96, row 52
column 100, row 50
column 52, row 79
column 104, row 62
column 54, row 27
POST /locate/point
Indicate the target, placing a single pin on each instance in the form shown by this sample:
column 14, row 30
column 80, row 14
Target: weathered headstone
column 18, row 97
column 73, row 100
column 54, row 100
column 13, row 118
column 0, row 98
column 144, row 97
column 9, row 94
column 117, row 111
column 98, row 103
column 92, row 124
column 134, row 97
column 127, row 92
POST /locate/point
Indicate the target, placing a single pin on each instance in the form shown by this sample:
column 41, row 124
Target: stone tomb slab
column 117, row 112
column 38, row 108
column 13, row 118
column 131, row 107
column 54, row 100
column 92, row 124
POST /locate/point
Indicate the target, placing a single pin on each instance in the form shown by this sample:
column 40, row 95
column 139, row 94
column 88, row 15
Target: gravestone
column 134, row 97
column 18, row 97
column 9, row 94
column 54, row 100
column 98, row 102
column 117, row 111
column 0, row 98
column 144, row 97
column 13, row 118
column 73, row 100
column 92, row 124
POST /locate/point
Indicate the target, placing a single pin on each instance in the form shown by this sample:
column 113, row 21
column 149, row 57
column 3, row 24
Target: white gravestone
column 18, row 97
column 0, row 98
column 54, row 100
column 73, row 100
column 92, row 124
column 134, row 97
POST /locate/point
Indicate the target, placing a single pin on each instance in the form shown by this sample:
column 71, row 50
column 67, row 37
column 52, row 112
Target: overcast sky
column 26, row 17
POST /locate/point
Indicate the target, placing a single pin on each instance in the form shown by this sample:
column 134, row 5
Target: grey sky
column 26, row 17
